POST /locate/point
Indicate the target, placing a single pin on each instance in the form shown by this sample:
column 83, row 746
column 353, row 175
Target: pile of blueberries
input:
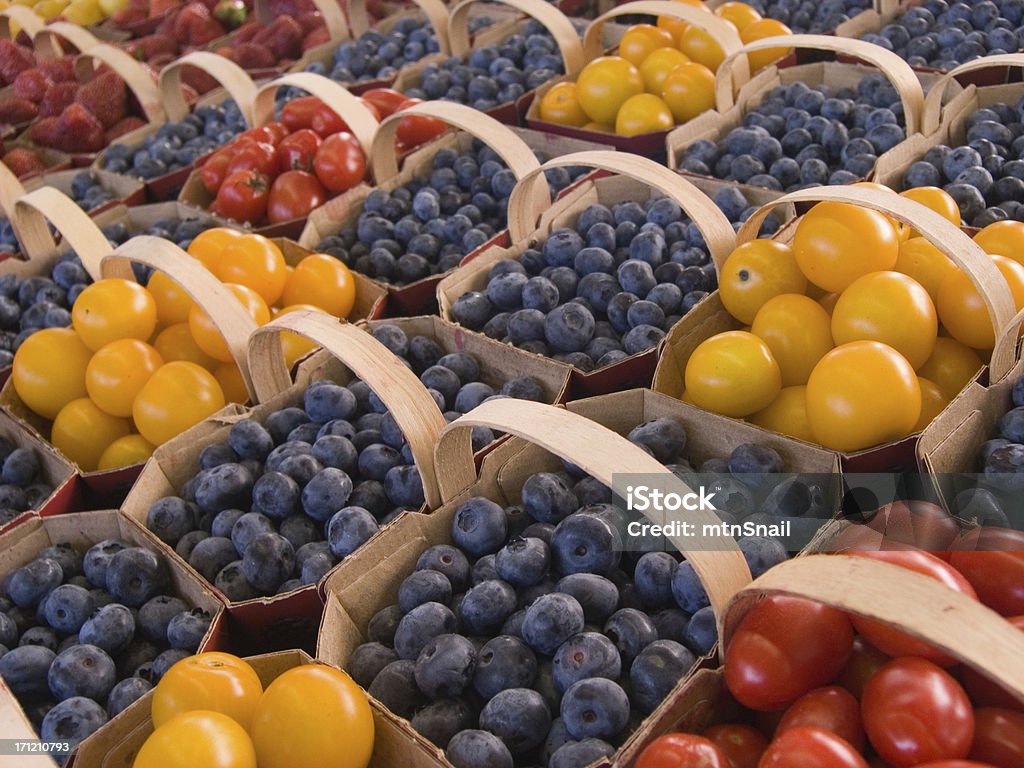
column 944, row 35
column 1001, row 459
column 813, row 16
column 88, row 191
column 22, row 484
column 494, row 74
column 278, row 504
column 427, row 226
column 607, row 288
column 800, row 136
column 177, row 145
column 82, row 636
column 533, row 638
column 985, row 177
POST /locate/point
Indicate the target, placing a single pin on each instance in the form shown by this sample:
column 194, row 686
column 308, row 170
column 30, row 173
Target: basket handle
column 47, row 41
column 134, row 76
column 722, row 31
column 359, row 119
column 232, row 78
column 712, row 223
column 29, row 217
column 223, row 308
column 1004, row 354
column 512, row 149
column 603, row 454
column 11, row 188
column 920, row 606
column 406, row 397
column 330, row 11
column 435, row 11
column 895, row 69
column 29, row 21
column 556, row 22
column 932, row 115
column 939, row 231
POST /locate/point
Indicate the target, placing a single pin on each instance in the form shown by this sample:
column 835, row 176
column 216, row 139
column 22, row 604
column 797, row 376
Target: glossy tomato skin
column 955, row 764
column 255, row 156
column 243, row 197
column 784, row 648
column 810, row 748
column 416, row 129
column 915, row 712
column 326, row 121
column 682, row 750
column 340, row 163
column 992, row 560
column 293, row 195
column 998, row 737
column 832, row 709
column 216, row 681
column 297, row 150
column 386, row 101
column 215, row 170
column 742, row 745
column 298, row 113
column 198, row 738
column 893, row 642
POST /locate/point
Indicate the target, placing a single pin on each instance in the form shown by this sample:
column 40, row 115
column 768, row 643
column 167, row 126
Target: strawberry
column 195, row 25
column 31, row 84
column 315, row 38
column 286, row 38
column 45, row 132
column 57, row 97
column 60, row 70
column 246, row 32
column 14, row 111
column 160, row 7
column 310, row 21
column 199, row 80
column 14, row 59
column 23, row 161
column 149, row 47
column 126, row 16
column 251, row 56
column 121, row 128
column 79, row 130
column 105, row 96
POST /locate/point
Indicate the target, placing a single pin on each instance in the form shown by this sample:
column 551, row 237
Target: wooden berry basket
column 594, row 45
column 710, row 316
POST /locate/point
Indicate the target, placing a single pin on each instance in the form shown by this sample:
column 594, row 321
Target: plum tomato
column 44, row 387
column 864, row 662
column 655, row 68
column 216, row 681
column 297, row 114
column 82, row 432
column 740, row 14
column 689, row 90
column 921, row 260
column 175, row 342
column 962, row 310
column 253, row 156
column 807, row 747
column 200, row 737
column 701, row 46
column 993, row 562
column 178, row 396
column 117, row 372
column 232, row 383
column 998, row 737
column 786, row 414
column 951, row 366
column 215, row 170
column 255, row 262
column 915, row 712
column 414, row 130
column 604, row 85
column 784, row 648
column 832, row 708
column 733, row 374
column 209, row 337
column 561, row 106
column 324, row 282
column 124, row 452
column 640, row 40
column 682, row 750
column 643, row 113
column 326, row 121
column 112, row 309
column 207, row 246
column 172, row 302
column 797, row 330
column 340, row 162
column 297, row 150
column 386, row 101
column 243, row 197
column 293, row 195
column 1004, row 238
column 742, row 745
column 755, row 272
column 759, row 29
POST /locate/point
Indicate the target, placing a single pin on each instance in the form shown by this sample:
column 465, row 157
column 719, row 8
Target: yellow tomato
column 172, row 303
column 951, row 366
column 787, row 414
column 255, row 262
column 732, row 373
column 1005, row 238
column 313, row 716
column 689, row 90
column 125, row 451
column 209, row 337
column 178, row 396
column 324, row 282
column 755, row 272
column 835, row 243
column 82, row 432
column 925, row 263
column 932, row 402
column 643, row 113
column 561, row 106
column 962, row 310
column 740, row 14
column 176, row 343
column 295, row 346
column 49, row 370
column 758, row 30
column 231, row 383
column 208, row 245
column 701, row 47
column 796, row 330
column 674, row 27
column 655, row 68
column 113, row 309
column 214, row 681
column 599, row 127
column 862, row 394
column 936, row 198
column 640, row 40
column 198, row 738
column 117, row 372
column 603, row 86
column 891, row 308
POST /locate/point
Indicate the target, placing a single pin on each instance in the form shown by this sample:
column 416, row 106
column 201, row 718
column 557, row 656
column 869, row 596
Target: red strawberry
column 310, row 21
column 199, row 80
column 286, row 38
column 31, row 84
column 45, row 131
column 157, row 44
column 160, row 7
column 315, row 38
column 195, row 25
column 105, row 97
column 79, row 130
column 251, row 56
column 14, row 59
column 121, row 128
column 23, row 161
column 247, row 32
column 60, row 70
column 14, row 111
column 57, row 97
column 126, row 16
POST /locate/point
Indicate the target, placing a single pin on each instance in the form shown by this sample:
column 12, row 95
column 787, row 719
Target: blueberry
column 30, row 583
column 72, row 720
column 487, row 605
column 383, row 624
column 210, row 555
column 24, row 669
column 156, row 614
column 472, row 310
column 126, row 693
column 449, row 561
column 248, row 527
column 551, row 620
column 657, row 670
column 368, row 660
column 478, row 749
column 421, row 587
column 702, row 632
column 68, row 607
column 504, row 662
column 187, row 629
column 631, row 631
column 585, row 543
column 170, row 518
column 395, row 688
column 268, row 561
column 664, row 438
column 20, row 467
column 444, row 668
column 517, row 716
column 479, row 526
column 228, row 486
column 349, row 529
column 419, row 626
column 82, row 670
column 595, row 708
column 523, row 562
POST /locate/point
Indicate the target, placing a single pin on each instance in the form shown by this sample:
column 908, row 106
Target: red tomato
column 893, row 642
column 998, row 737
column 293, row 195
column 682, row 750
column 255, row 156
column 986, row 693
column 296, row 151
column 831, row 709
column 276, row 132
column 784, row 648
column 992, row 560
column 326, row 121
column 340, row 163
column 741, row 744
column 271, row 133
column 243, row 196
column 214, row 170
column 903, row 525
column 416, row 129
column 810, row 748
column 955, row 764
column 298, row 113
column 387, row 101
column 864, row 662
column 914, row 711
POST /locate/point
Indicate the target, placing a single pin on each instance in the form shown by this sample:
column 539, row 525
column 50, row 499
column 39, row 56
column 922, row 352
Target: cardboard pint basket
column 732, row 106
column 888, row 593
column 594, row 45
column 461, row 44
column 233, row 82
column 55, row 471
column 20, row 545
column 710, row 316
column 638, row 179
column 543, row 436
column 362, row 123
